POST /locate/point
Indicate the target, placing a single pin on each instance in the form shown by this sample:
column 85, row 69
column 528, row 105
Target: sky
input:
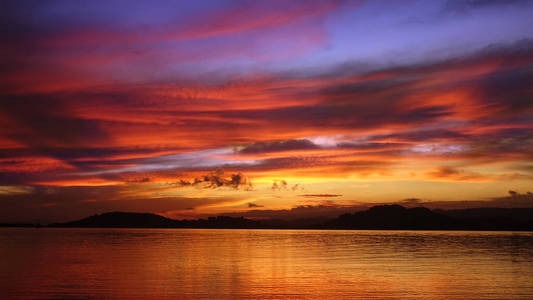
column 261, row 108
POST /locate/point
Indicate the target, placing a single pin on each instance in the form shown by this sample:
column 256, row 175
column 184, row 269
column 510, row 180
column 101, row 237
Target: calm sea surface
column 263, row 264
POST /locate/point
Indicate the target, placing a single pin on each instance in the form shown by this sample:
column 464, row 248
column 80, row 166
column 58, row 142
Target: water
column 263, row 264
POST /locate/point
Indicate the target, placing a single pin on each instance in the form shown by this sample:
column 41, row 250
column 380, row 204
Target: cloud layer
column 145, row 105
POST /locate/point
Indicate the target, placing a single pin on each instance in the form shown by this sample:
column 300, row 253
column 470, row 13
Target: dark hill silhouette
column 487, row 218
column 378, row 217
column 37, row 225
column 146, row 220
column 121, row 219
column 421, row 218
column 519, row 214
column 392, row 217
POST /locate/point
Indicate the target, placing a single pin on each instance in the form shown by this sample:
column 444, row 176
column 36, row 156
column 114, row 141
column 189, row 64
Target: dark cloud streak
column 217, row 179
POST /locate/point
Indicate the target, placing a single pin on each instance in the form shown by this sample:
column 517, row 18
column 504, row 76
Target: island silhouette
column 381, row 217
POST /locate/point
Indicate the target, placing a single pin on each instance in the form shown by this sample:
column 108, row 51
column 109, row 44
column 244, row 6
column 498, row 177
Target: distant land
column 389, row 217
column 19, row 225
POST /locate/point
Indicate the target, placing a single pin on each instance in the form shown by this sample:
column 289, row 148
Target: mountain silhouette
column 392, row 217
column 122, row 219
column 387, row 217
column 147, row 220
column 421, row 218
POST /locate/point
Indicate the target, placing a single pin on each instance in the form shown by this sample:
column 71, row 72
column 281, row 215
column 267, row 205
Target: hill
column 146, row 220
column 392, row 217
column 421, row 218
column 387, row 217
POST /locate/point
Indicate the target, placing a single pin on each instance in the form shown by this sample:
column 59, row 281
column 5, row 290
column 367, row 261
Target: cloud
column 160, row 39
column 44, row 122
column 411, row 202
column 451, row 173
column 15, row 190
column 279, row 185
column 78, row 128
column 299, row 212
column 320, row 195
column 504, row 143
column 252, row 16
column 252, row 205
column 63, row 121
column 512, row 200
column 277, row 146
column 370, row 146
column 462, row 6
column 420, row 135
column 75, row 202
column 332, row 210
column 140, row 180
column 297, row 187
column 217, row 179
column 515, row 199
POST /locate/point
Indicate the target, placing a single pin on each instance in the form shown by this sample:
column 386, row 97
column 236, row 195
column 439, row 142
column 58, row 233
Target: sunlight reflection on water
column 214, row 264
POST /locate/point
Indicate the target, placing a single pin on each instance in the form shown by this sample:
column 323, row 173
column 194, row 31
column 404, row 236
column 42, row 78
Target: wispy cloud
column 320, row 195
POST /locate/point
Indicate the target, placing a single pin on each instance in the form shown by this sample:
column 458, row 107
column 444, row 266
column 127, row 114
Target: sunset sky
column 195, row 108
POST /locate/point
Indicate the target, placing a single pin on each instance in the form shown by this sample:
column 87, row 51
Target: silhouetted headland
column 420, row 218
column 389, row 217
column 393, row 217
column 146, row 220
column 37, row 225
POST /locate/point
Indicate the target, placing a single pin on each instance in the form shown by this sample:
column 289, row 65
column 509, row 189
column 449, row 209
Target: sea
column 67, row 263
